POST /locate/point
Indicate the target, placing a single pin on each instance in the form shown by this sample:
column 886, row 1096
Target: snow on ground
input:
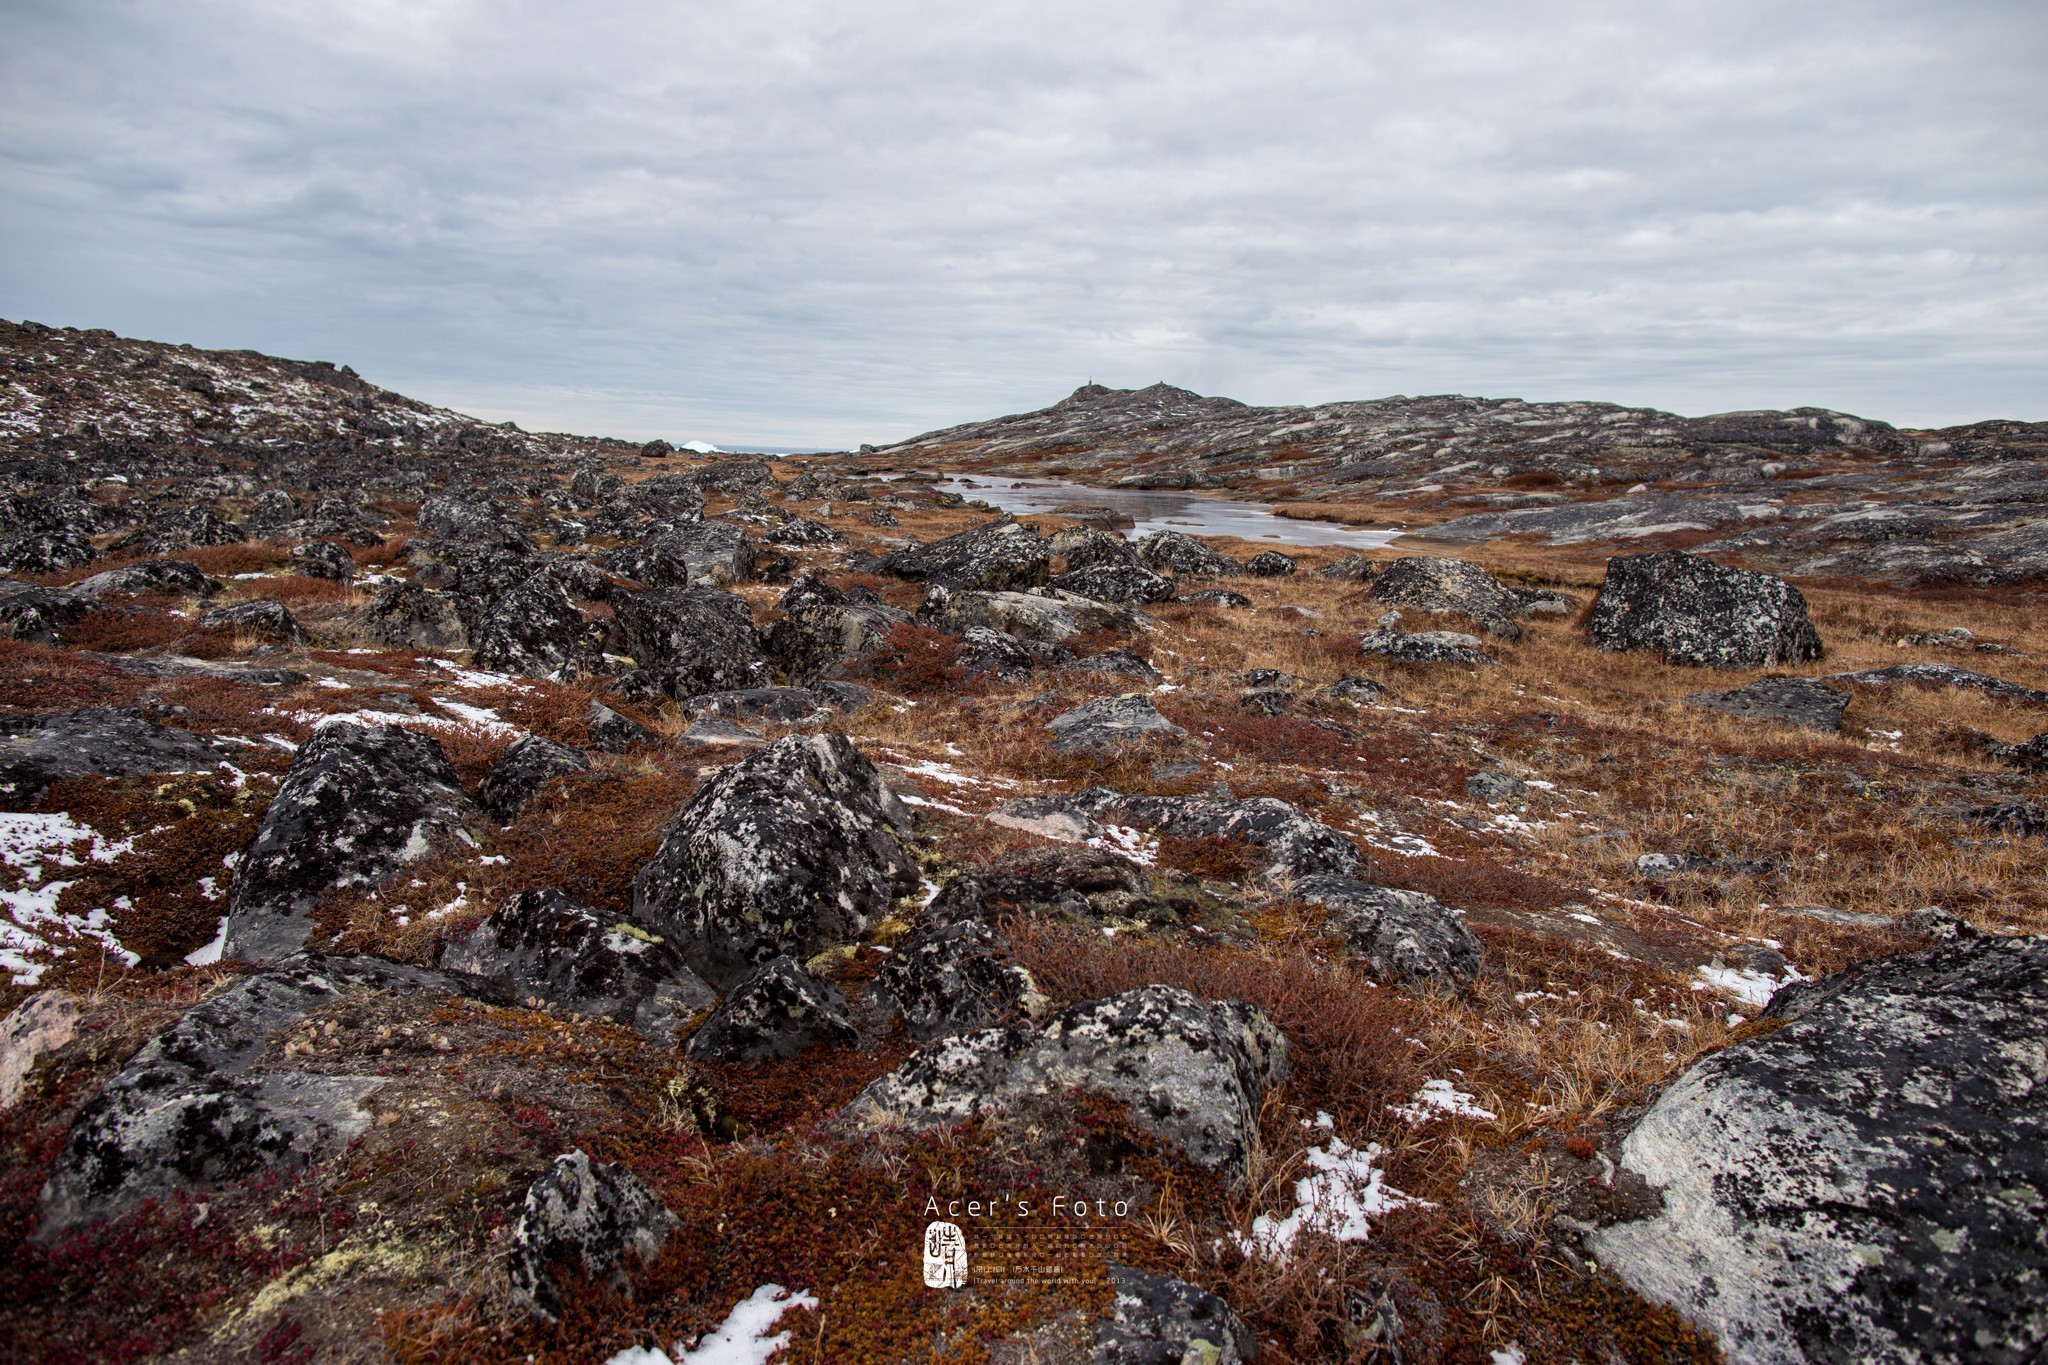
column 33, row 845
column 473, row 677
column 1134, row 844
column 1345, row 1190
column 742, row 1339
column 1441, row 1099
column 1751, row 987
column 469, row 718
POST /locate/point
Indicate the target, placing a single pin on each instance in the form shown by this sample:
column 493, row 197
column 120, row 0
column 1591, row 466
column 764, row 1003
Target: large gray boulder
column 1108, row 723
column 954, row 979
column 521, row 772
column 545, row 945
column 1043, row 618
column 1185, row 556
column 358, row 803
column 714, row 553
column 1192, row 1071
column 537, row 631
column 31, row 612
column 187, row 1111
column 1425, row 647
column 691, row 640
column 409, row 616
column 792, row 850
column 823, row 627
column 39, row 748
column 1434, row 583
column 1866, row 1182
column 1694, row 611
column 596, row 1215
column 1000, row 556
column 1132, row 584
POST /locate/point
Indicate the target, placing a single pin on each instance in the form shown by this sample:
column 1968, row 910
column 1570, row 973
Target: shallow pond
column 1195, row 514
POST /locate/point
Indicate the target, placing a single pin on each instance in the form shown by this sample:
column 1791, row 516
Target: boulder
column 1271, row 564
column 1131, row 584
column 1192, row 1071
column 408, row 616
column 1083, row 881
column 1424, row 647
column 181, row 528
column 597, row 1215
column 773, row 1012
column 151, row 575
column 357, row 804
column 614, row 733
column 1115, row 663
column 691, row 640
column 520, row 773
column 1106, row 724
column 264, row 618
column 38, row 1026
column 1043, row 618
column 800, row 532
column 1864, row 1182
column 185, row 1112
column 1163, row 1321
column 1000, row 556
column 1086, row 547
column 1363, row 691
column 29, row 612
column 1185, row 556
column 2032, row 756
column 784, row 705
column 1804, row 702
column 997, row 652
column 1434, row 583
column 537, row 631
column 822, row 628
column 544, row 945
column 1944, row 675
column 791, row 850
column 954, row 979
column 38, row 748
column 713, row 553
column 1497, row 788
column 448, row 517
column 47, row 552
column 1694, row 611
column 1216, row 597
column 1399, row 935
column 1295, row 845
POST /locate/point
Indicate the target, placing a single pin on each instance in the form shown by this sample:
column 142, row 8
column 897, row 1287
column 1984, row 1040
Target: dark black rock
column 692, row 640
column 1399, row 935
column 2032, row 755
column 614, row 733
column 264, row 618
column 712, row 553
column 1270, row 564
column 324, row 559
column 37, row 749
column 599, row 1216
column 1000, row 556
column 1266, row 701
column 803, row 532
column 2027, row 819
column 956, row 978
column 1162, row 1321
column 1130, row 584
column 805, row 826
column 520, row 773
column 1364, row 691
column 546, row 946
column 1086, row 547
column 151, row 575
column 816, row 636
column 357, row 804
column 537, row 631
column 773, row 1012
column 446, row 517
column 408, row 616
column 1185, row 556
column 46, row 552
column 1296, row 845
column 1497, row 788
column 184, row 1113
column 1803, row 702
column 1694, row 611
column 1862, row 1183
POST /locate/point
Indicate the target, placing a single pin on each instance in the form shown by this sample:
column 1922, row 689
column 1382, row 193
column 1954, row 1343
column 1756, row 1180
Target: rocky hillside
column 468, row 895
column 1806, row 491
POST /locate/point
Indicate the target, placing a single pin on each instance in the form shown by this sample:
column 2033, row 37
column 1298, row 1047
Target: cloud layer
column 805, row 223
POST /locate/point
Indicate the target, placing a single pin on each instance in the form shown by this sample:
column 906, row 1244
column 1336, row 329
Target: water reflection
column 1164, row 510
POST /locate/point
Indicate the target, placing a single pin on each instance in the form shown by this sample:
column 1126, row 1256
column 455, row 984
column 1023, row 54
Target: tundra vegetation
column 475, row 895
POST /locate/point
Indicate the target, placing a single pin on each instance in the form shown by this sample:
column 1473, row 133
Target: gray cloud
column 811, row 223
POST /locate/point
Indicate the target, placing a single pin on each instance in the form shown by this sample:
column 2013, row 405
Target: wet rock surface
column 790, row 851
column 1860, row 1183
column 1192, row 1070
column 544, row 945
column 358, row 803
column 771, row 1013
column 1695, row 611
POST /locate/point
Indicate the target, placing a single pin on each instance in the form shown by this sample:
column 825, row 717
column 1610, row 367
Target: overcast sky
column 796, row 223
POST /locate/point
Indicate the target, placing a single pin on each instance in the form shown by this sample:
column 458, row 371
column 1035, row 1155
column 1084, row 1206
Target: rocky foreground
column 490, row 896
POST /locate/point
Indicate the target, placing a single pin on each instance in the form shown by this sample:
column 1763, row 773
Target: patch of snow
column 483, row 717
column 476, row 677
column 1345, row 1191
column 742, row 1339
column 1751, row 987
column 33, row 844
column 1439, row 1099
column 1134, row 844
column 701, row 448
column 209, row 954
column 909, row 800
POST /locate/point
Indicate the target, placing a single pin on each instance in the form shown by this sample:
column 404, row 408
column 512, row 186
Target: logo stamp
column 945, row 1256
